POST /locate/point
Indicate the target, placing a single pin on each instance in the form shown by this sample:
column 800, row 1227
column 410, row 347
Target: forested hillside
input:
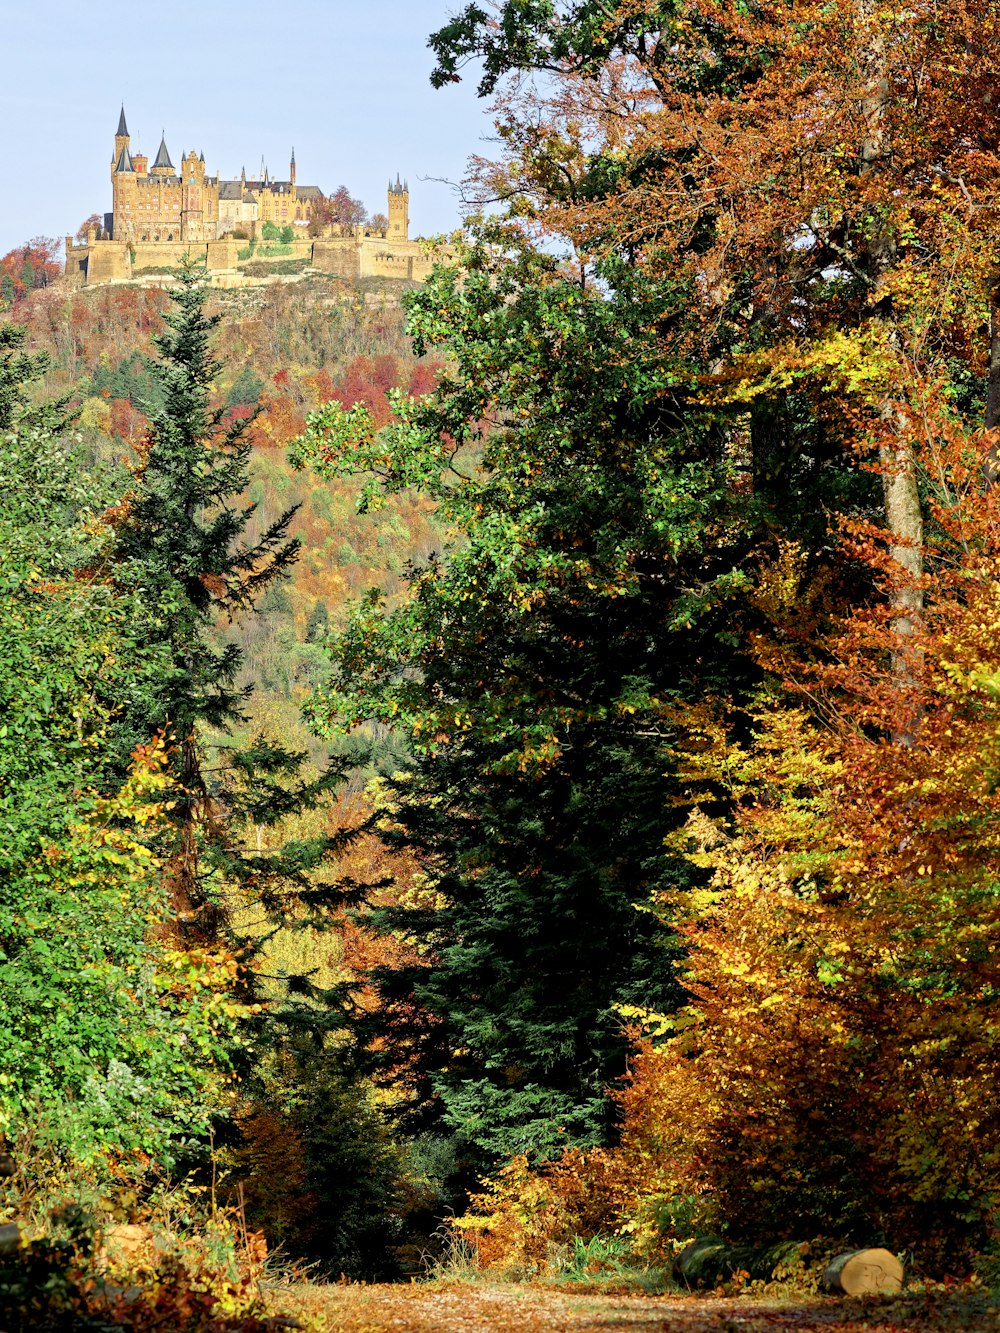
column 509, row 777
column 282, row 350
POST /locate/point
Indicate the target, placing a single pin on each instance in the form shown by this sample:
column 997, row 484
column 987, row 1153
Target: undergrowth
column 69, row 1279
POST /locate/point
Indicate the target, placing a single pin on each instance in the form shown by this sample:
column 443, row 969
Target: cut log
column 11, row 1237
column 710, row 1260
column 864, row 1273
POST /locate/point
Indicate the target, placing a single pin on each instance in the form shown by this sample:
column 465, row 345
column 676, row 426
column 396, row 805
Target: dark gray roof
column 122, row 127
column 163, row 157
column 234, row 189
column 125, row 161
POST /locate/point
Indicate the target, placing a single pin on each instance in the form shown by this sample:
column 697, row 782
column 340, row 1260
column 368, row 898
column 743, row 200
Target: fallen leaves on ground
column 440, row 1307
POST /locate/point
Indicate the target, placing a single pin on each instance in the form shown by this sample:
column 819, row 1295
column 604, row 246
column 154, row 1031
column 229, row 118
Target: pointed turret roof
column 124, row 161
column 163, row 157
column 122, row 127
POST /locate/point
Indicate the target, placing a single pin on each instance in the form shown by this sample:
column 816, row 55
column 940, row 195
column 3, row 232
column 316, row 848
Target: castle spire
column 163, row 157
column 121, row 144
column 124, row 160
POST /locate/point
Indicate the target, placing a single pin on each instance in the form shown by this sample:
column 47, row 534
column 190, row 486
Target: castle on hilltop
column 160, row 214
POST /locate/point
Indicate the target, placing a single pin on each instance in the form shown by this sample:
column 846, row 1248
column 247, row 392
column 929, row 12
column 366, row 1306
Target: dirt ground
column 439, row 1307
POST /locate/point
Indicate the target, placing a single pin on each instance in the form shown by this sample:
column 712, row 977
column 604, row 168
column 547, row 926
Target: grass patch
column 283, row 266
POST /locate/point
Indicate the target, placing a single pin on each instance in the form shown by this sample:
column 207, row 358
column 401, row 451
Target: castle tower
column 291, row 171
column 122, row 184
column 399, row 211
column 192, row 197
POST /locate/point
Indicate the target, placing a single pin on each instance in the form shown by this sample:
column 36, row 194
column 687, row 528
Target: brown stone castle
column 161, row 213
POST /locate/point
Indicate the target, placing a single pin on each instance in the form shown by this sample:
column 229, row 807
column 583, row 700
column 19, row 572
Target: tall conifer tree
column 181, row 541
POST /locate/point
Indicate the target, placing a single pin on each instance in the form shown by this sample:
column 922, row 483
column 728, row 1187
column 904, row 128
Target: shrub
column 524, row 1219
column 65, row 1279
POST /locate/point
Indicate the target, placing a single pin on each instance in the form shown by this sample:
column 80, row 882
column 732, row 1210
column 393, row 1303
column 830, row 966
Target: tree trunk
column 905, row 521
column 12, row 1237
column 991, row 465
column 903, row 514
column 196, row 916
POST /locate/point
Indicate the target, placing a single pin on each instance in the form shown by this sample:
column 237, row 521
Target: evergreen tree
column 19, row 368
column 534, row 669
column 181, row 543
column 318, row 623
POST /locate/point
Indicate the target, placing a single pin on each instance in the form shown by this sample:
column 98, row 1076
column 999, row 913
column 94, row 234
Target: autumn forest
column 500, row 778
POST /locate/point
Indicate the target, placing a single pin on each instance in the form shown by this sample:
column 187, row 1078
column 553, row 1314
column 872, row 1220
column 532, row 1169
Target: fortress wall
column 376, row 264
column 337, row 256
column 76, row 263
column 423, row 265
column 348, row 257
column 223, row 254
column 108, row 261
column 166, row 254
column 400, row 259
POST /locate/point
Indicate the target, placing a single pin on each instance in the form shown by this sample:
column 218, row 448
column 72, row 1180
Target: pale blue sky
column 345, row 84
